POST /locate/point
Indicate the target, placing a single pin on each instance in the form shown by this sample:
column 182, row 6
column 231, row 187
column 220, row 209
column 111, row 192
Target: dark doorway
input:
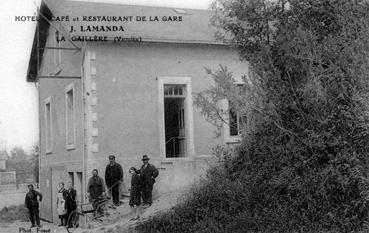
column 175, row 138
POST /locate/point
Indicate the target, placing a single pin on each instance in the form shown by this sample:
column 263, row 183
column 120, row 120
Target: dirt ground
column 164, row 202
column 15, row 226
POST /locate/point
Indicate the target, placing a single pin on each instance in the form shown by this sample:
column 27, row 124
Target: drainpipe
column 37, row 84
column 83, row 123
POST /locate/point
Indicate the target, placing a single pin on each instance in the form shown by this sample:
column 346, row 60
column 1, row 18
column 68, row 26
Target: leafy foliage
column 25, row 165
column 13, row 213
column 303, row 162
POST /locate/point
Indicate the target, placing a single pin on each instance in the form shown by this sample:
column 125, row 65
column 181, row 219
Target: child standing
column 135, row 195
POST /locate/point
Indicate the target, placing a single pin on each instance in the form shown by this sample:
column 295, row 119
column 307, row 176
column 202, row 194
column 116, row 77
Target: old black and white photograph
column 173, row 116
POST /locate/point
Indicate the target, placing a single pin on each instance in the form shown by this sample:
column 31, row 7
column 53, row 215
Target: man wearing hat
column 31, row 203
column 148, row 173
column 113, row 179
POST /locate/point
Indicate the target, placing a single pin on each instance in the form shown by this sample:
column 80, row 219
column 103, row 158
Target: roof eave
column 42, row 28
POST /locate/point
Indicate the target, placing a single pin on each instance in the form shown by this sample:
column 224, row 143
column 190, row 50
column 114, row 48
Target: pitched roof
column 193, row 28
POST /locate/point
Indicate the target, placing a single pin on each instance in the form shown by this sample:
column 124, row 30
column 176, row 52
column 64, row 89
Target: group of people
column 66, row 202
column 142, row 183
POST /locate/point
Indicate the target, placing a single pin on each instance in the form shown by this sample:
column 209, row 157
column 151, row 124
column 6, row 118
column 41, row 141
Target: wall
column 126, row 98
column 55, row 166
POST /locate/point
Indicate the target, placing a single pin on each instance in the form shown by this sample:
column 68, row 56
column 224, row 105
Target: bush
column 13, row 213
column 303, row 163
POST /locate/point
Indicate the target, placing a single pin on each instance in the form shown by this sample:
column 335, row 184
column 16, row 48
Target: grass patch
column 13, row 213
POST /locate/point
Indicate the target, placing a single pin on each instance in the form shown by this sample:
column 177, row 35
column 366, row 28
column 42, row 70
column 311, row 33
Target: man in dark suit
column 148, row 173
column 31, row 203
column 113, row 179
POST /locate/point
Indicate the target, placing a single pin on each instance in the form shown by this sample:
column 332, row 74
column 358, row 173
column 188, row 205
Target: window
column 69, row 114
column 175, row 117
column 173, row 90
column 236, row 121
column 48, row 126
column 71, row 177
column 78, row 186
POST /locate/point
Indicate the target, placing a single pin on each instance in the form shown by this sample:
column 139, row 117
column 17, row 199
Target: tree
column 20, row 162
column 303, row 162
column 308, row 149
column 35, row 163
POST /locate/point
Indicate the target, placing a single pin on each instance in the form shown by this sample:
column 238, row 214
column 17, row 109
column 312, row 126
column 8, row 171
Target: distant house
column 3, row 158
column 127, row 98
column 7, row 176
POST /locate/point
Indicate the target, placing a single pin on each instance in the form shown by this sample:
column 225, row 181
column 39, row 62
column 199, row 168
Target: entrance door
column 174, row 111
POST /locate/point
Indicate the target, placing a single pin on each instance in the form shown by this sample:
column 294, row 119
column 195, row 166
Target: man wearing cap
column 31, row 203
column 113, row 179
column 95, row 186
column 148, row 173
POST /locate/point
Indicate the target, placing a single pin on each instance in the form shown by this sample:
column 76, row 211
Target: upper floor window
column 69, row 114
column 48, row 125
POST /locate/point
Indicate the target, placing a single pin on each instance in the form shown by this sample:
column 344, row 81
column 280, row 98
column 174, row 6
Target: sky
column 19, row 99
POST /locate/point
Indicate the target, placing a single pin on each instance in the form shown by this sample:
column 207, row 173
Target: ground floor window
column 236, row 121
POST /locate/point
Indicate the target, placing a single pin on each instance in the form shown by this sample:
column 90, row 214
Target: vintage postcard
column 94, row 91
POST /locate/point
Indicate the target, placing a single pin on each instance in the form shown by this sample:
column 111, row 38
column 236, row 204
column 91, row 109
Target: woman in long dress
column 135, row 195
column 60, row 203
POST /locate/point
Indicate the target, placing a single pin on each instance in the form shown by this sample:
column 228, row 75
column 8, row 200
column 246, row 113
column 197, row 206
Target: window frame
column 226, row 131
column 48, row 127
column 68, row 145
column 187, row 82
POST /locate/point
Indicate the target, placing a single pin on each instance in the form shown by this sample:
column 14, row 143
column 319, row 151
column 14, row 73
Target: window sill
column 70, row 147
column 177, row 158
column 233, row 140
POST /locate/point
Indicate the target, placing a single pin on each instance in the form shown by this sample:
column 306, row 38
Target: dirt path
column 164, row 202
column 15, row 226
